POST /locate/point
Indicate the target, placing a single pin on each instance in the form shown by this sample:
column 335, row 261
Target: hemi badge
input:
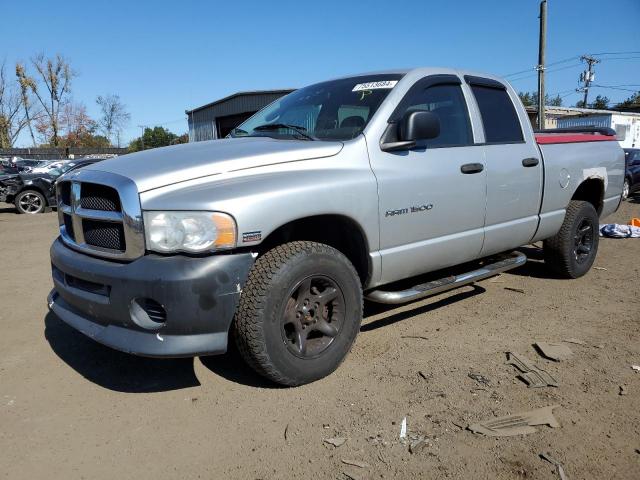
column 251, row 236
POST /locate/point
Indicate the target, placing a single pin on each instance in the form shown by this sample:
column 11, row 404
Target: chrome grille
column 99, row 213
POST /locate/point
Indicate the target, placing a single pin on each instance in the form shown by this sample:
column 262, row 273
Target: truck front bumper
column 156, row 306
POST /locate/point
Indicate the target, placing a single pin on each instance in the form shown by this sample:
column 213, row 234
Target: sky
column 164, row 57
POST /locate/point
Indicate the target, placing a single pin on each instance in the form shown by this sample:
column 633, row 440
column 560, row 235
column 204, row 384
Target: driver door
column 431, row 204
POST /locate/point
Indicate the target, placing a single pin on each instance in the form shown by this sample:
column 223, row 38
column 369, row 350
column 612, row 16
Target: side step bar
column 502, row 264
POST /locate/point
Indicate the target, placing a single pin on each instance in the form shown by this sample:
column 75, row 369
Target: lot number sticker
column 375, row 85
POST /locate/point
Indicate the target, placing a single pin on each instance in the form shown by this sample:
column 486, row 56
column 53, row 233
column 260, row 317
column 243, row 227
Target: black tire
column 571, row 252
column 30, row 202
column 273, row 316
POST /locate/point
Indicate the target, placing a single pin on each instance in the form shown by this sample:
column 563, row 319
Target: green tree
column 530, row 99
column 630, row 104
column 600, row 103
column 153, row 138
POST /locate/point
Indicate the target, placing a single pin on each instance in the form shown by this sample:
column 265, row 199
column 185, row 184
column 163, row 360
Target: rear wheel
column 30, row 201
column 571, row 252
column 299, row 312
column 625, row 189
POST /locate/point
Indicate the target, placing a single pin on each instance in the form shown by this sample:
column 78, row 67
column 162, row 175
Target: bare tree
column 52, row 89
column 12, row 116
column 26, row 84
column 113, row 116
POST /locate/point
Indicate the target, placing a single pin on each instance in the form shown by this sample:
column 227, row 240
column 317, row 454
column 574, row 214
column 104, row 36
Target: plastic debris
column 636, row 367
column 554, row 351
column 615, row 230
column 600, row 268
column 533, row 376
column 558, row 465
column 516, row 424
column 355, row 463
column 336, row 441
column 403, row 428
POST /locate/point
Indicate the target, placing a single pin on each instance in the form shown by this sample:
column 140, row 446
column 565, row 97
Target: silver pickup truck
column 348, row 189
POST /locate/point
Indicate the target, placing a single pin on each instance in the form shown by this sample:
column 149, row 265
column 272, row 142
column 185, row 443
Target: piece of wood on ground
column 554, row 351
column 516, row 424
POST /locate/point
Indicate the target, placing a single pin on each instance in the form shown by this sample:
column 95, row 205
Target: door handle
column 472, row 168
column 530, row 162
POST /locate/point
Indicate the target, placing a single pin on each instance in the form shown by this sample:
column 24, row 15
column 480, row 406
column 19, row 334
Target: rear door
column 431, row 212
column 514, row 167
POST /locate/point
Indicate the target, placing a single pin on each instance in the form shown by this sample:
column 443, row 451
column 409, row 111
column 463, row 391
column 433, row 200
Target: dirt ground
column 70, row 408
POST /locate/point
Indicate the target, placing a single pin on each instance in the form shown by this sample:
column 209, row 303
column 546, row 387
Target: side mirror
column 419, row 125
column 414, row 126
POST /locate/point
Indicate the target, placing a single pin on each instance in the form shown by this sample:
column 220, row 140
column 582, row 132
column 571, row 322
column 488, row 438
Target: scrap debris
column 558, row 465
column 516, row 424
column 554, row 351
column 574, row 340
column 623, row 390
column 533, row 376
column 479, row 378
column 519, row 290
column 355, row 463
column 636, row 367
column 336, row 441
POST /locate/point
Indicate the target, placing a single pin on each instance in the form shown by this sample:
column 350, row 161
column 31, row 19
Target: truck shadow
column 373, row 309
column 115, row 370
column 232, row 367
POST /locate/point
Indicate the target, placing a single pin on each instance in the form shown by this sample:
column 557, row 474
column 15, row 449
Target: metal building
column 217, row 119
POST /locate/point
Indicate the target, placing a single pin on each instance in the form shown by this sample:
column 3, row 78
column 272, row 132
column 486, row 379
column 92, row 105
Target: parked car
column 632, row 174
column 17, row 165
column 335, row 192
column 35, row 192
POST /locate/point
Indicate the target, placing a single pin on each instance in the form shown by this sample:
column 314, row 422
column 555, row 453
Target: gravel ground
column 70, row 408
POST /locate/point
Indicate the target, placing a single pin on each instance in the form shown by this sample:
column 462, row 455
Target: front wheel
column 30, row 201
column 571, row 252
column 299, row 312
column 625, row 189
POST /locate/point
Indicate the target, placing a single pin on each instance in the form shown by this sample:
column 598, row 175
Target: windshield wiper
column 277, row 126
column 239, row 131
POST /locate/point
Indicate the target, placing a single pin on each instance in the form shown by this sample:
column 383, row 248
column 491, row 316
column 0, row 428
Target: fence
column 58, row 153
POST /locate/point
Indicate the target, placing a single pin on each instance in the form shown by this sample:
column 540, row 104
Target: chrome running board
column 504, row 263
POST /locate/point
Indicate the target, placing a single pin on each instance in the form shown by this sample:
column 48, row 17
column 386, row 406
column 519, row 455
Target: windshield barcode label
column 374, row 85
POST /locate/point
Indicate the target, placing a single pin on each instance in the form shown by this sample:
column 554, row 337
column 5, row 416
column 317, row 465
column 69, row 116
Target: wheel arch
column 591, row 190
column 338, row 231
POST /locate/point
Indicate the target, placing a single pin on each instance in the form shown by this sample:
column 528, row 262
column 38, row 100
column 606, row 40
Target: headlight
column 193, row 232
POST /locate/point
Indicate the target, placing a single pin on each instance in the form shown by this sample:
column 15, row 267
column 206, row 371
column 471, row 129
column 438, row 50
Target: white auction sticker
column 375, row 85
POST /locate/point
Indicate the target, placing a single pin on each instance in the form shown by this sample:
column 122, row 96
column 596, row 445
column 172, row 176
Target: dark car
column 34, row 192
column 632, row 174
column 17, row 166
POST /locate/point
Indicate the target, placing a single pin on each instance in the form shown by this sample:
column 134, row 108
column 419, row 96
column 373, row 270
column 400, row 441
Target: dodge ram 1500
column 333, row 193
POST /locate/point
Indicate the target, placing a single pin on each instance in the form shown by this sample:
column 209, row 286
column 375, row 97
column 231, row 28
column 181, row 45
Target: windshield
column 334, row 110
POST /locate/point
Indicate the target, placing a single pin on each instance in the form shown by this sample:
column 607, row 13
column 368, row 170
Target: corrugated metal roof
column 228, row 98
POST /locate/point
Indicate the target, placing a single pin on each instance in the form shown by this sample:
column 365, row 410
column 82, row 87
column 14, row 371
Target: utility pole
column 587, row 76
column 142, row 127
column 542, row 47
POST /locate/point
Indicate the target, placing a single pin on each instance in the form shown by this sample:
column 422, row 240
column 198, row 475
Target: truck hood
column 159, row 167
